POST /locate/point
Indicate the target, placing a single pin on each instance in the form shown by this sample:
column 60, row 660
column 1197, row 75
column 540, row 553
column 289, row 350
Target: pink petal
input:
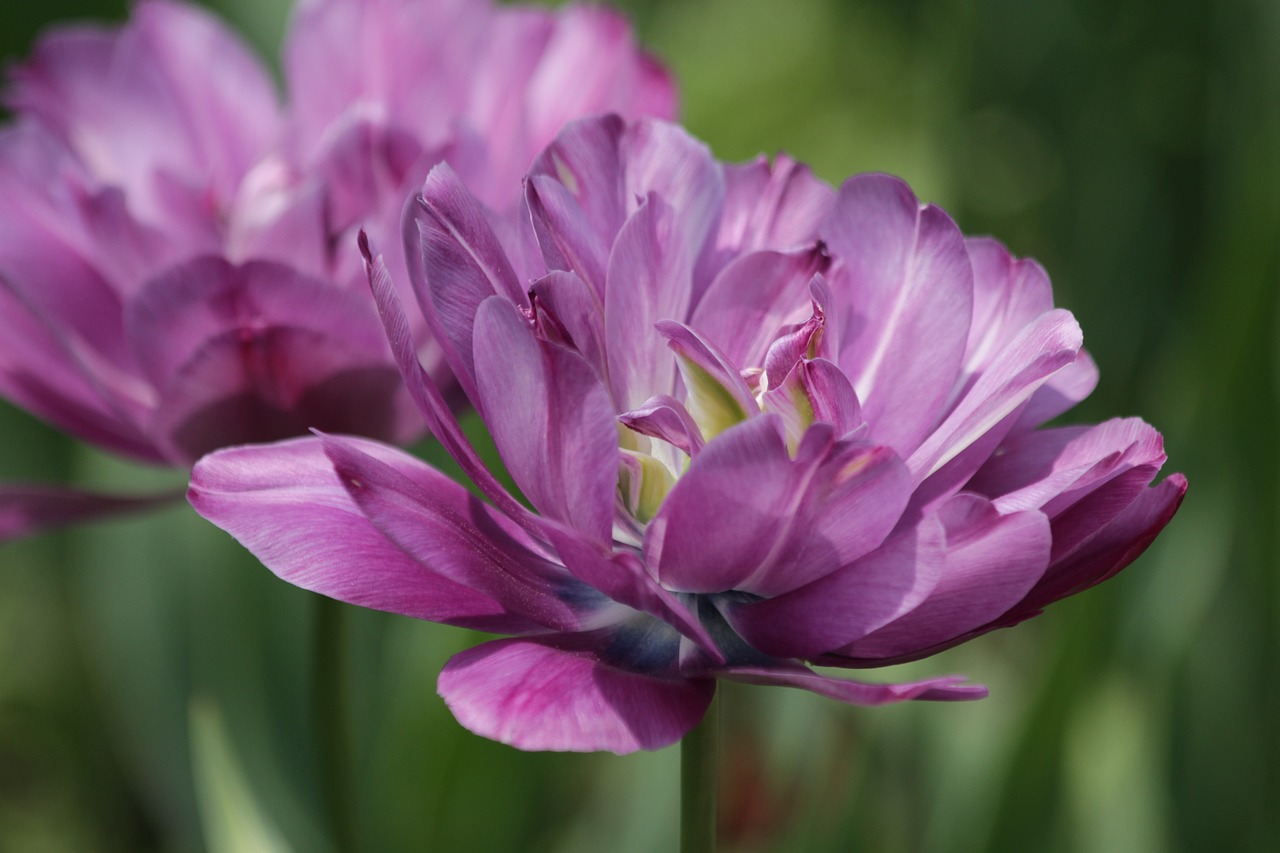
column 649, row 279
column 992, row 561
column 849, row 603
column 551, row 419
column 556, row 693
column 905, row 335
column 754, row 296
column 285, row 503
column 455, row 262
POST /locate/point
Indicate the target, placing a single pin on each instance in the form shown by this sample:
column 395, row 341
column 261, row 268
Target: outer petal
column 45, row 368
column 907, row 288
column 449, row 530
column 558, row 693
column 1111, row 548
column 1040, row 350
column 455, row 263
column 592, row 65
column 551, row 420
column 426, row 394
column 992, row 561
column 285, row 503
column 849, row 603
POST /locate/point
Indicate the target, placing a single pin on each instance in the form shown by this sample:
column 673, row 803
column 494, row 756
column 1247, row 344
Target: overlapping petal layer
column 178, row 260
column 771, row 422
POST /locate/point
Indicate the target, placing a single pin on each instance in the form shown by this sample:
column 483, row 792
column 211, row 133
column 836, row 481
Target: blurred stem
column 699, row 783
column 333, row 724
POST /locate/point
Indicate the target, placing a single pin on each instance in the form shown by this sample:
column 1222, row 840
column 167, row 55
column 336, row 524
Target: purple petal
column 60, row 378
column 815, row 392
column 849, row 603
column 551, row 419
column 577, row 204
column 649, row 279
column 567, row 239
column 1121, row 541
column 992, row 561
column 716, row 395
column 726, row 512
column 455, row 262
column 258, row 353
column 947, row 688
column 26, row 510
column 173, row 92
column 1064, row 389
column 904, row 339
column 1008, row 294
column 451, row 532
column 1039, row 351
column 1053, row 468
column 556, row 693
column 662, row 159
column 285, row 503
column 592, row 65
column 565, row 301
column 753, row 297
column 663, row 417
column 179, row 311
column 776, row 206
column 426, row 394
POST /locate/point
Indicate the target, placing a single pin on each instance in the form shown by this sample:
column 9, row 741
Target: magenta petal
column 426, row 394
column 564, row 300
column 772, row 206
column 452, row 533
column 949, row 688
column 584, row 161
column 26, row 509
column 992, row 561
column 1040, row 350
column 44, row 367
column 727, row 512
column 1111, row 548
column 556, row 693
column 285, row 503
column 849, row 603
column 905, row 335
column 664, row 417
column 650, row 278
column 567, row 240
column 1064, row 389
column 461, row 265
column 551, row 419
column 592, row 65
column 753, row 297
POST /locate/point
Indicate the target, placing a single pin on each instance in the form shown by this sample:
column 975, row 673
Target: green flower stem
column 333, row 723
column 699, row 783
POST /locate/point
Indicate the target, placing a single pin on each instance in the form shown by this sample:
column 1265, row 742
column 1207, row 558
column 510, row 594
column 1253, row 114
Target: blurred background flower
column 178, row 269
column 1130, row 148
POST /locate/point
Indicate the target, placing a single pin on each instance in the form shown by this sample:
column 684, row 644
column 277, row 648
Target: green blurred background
column 155, row 681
